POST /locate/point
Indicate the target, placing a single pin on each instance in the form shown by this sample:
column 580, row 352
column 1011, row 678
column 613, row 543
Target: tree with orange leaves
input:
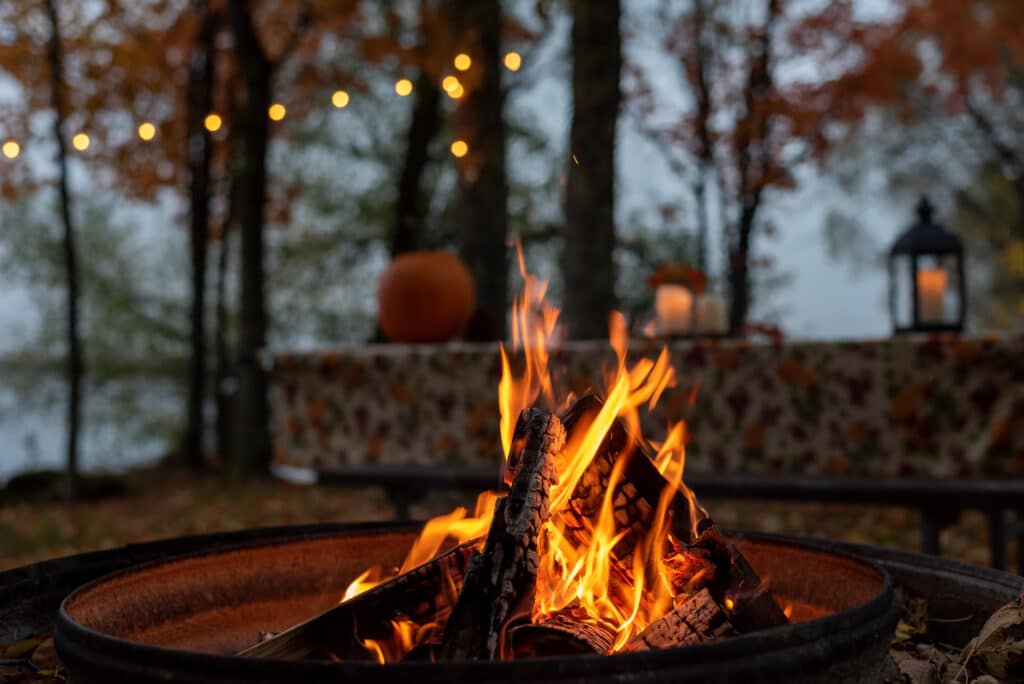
column 751, row 118
column 936, row 93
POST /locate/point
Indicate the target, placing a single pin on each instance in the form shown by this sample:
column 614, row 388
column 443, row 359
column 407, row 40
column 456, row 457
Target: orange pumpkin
column 425, row 297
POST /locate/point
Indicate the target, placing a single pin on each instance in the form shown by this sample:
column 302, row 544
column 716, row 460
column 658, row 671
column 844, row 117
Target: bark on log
column 636, row 500
column 736, row 585
column 564, row 633
column 697, row 620
column 423, row 594
column 638, row 490
column 500, row 581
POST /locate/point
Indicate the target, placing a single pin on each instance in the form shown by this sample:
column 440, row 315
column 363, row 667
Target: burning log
column 697, row 620
column 423, row 595
column 750, row 606
column 500, row 580
column 568, row 631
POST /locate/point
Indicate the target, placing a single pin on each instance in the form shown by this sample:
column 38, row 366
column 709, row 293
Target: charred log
column 697, row 620
column 568, row 632
column 500, row 581
column 636, row 498
column 423, row 595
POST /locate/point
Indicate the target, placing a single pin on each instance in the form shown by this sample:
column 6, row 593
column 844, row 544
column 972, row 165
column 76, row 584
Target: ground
column 168, row 503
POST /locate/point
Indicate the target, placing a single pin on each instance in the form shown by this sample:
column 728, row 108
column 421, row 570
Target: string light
column 147, row 131
column 459, row 149
column 11, row 149
column 277, row 111
column 403, row 86
column 452, row 86
column 80, row 142
column 212, row 122
column 462, row 61
column 513, row 60
column 339, row 99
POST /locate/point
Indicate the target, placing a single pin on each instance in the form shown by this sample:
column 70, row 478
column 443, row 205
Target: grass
column 165, row 502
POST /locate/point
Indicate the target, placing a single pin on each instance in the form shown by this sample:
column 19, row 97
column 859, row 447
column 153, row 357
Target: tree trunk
column 252, row 441
column 588, row 260
column 223, row 370
column 483, row 189
column 739, row 273
column 409, row 210
column 199, row 97
column 76, row 365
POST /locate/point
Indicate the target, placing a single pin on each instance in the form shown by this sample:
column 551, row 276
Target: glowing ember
column 580, row 569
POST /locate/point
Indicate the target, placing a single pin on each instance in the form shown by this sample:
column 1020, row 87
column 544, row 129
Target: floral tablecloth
column 943, row 407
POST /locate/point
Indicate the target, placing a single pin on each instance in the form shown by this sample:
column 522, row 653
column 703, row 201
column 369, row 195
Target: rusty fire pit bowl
column 182, row 619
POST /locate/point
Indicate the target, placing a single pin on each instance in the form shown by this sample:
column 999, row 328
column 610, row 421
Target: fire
column 578, row 571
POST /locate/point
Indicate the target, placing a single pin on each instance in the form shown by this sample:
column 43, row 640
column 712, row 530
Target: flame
column 534, row 325
column 406, row 635
column 457, row 526
column 579, row 569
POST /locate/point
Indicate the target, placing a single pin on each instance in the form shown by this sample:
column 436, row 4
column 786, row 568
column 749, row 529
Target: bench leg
column 997, row 539
column 931, row 526
column 1020, row 541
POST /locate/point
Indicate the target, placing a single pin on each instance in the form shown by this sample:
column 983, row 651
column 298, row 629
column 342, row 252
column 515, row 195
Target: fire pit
column 184, row 619
column 596, row 562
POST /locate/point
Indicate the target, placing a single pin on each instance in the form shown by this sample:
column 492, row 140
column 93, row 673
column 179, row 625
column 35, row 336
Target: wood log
column 636, row 498
column 567, row 632
column 423, row 594
column 736, row 585
column 697, row 620
column 500, row 581
column 637, row 492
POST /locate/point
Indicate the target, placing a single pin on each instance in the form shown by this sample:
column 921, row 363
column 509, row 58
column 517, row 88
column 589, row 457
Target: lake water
column 126, row 423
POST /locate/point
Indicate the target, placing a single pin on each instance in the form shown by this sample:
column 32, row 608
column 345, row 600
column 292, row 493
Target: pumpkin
column 425, row 297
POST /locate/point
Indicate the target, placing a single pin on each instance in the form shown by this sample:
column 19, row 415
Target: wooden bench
column 939, row 502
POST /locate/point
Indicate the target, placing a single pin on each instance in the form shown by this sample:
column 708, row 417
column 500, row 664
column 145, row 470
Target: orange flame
column 577, row 569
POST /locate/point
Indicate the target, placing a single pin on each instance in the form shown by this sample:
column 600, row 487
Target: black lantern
column 927, row 289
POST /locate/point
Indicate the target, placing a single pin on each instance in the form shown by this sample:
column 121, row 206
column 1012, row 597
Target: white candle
column 674, row 305
column 931, row 295
column 711, row 316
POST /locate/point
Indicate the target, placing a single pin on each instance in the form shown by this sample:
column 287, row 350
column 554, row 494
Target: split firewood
column 637, row 492
column 423, row 595
column 698, row 620
column 568, row 632
column 500, row 581
column 736, row 586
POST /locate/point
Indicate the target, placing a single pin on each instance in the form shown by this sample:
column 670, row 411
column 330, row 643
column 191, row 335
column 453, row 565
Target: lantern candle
column 931, row 295
column 711, row 318
column 673, row 305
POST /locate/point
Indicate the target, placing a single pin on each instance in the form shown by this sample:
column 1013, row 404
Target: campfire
column 597, row 547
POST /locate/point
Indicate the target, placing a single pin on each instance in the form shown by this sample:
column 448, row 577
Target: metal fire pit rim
column 863, row 625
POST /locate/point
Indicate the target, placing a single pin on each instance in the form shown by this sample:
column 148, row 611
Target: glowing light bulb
column 213, row 122
column 340, row 99
column 403, row 86
column 11, row 149
column 513, row 60
column 462, row 61
column 80, row 142
column 277, row 111
column 147, row 131
column 459, row 148
column 450, row 83
column 456, row 92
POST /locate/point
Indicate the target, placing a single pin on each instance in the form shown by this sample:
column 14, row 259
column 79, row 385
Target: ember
column 599, row 545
